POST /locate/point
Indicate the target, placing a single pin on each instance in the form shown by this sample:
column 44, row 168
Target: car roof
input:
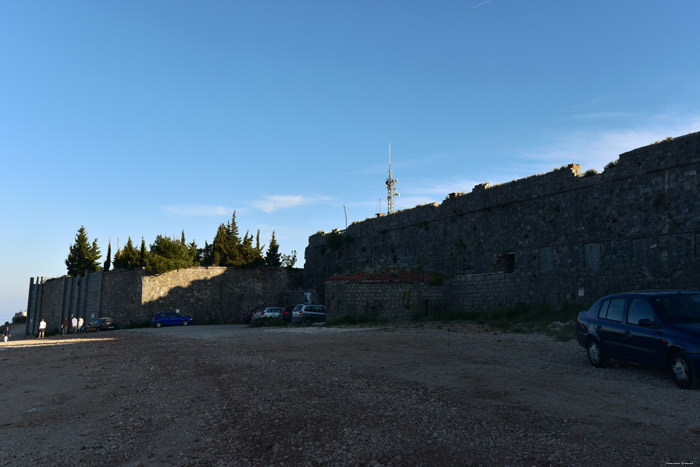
column 653, row 293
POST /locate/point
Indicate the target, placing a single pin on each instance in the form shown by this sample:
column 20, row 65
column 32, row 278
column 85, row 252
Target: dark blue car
column 170, row 318
column 661, row 329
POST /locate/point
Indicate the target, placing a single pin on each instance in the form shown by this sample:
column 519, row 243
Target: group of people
column 77, row 326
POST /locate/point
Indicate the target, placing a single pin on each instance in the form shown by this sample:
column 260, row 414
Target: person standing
column 64, row 326
column 42, row 328
column 74, row 323
column 80, row 325
column 6, row 332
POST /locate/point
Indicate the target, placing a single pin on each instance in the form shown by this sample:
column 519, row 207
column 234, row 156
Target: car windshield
column 679, row 308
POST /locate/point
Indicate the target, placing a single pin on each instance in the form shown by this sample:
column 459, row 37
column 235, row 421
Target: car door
column 645, row 342
column 610, row 329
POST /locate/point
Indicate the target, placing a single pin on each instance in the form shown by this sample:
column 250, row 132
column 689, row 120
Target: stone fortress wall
column 556, row 237
column 563, row 236
column 209, row 295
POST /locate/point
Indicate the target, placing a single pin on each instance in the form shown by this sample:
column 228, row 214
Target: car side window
column 613, row 310
column 617, row 307
column 639, row 309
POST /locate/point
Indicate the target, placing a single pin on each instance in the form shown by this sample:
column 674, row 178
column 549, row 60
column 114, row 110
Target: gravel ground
column 455, row 394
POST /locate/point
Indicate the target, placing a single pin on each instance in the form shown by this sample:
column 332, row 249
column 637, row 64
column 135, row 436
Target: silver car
column 272, row 312
column 309, row 314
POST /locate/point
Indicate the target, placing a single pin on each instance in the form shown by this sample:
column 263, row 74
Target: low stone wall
column 484, row 292
column 219, row 295
column 209, row 295
column 121, row 295
column 372, row 301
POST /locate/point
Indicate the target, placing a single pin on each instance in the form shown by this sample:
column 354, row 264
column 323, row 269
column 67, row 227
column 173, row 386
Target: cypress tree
column 143, row 254
column 108, row 261
column 82, row 256
column 128, row 257
column 273, row 257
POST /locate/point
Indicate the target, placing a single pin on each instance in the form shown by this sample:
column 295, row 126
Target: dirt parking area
column 439, row 395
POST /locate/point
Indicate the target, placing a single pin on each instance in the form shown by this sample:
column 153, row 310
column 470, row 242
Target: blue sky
column 140, row 118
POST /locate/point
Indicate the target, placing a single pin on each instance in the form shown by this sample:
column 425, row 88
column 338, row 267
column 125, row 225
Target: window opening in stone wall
column 506, row 263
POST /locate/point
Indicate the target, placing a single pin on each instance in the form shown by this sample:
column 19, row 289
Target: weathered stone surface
column 209, row 295
column 563, row 236
column 559, row 236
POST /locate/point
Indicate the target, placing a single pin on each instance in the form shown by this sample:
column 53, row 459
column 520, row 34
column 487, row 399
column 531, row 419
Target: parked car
column 100, row 324
column 248, row 317
column 287, row 313
column 170, row 318
column 661, row 329
column 309, row 314
column 272, row 312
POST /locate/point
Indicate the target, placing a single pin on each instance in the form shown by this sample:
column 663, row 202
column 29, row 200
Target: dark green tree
column 195, row 253
column 108, row 261
column 273, row 257
column 167, row 254
column 143, row 254
column 227, row 245
column 250, row 256
column 288, row 261
column 206, row 254
column 82, row 255
column 127, row 257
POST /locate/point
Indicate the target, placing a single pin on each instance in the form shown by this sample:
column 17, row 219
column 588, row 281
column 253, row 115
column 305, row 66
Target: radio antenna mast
column 390, row 185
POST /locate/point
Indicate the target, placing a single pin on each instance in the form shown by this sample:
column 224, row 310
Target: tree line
column 166, row 253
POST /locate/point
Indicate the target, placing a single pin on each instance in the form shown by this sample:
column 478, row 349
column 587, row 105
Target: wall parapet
column 640, row 217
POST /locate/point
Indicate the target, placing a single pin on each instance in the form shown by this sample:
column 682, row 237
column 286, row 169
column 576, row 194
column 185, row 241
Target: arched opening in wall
column 505, row 263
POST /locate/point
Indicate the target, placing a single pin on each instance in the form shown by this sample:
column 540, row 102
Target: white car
column 272, row 312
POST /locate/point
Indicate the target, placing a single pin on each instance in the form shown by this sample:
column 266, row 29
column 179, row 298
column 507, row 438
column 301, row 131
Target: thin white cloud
column 604, row 115
column 193, row 210
column 432, row 192
column 595, row 149
column 482, row 3
column 273, row 203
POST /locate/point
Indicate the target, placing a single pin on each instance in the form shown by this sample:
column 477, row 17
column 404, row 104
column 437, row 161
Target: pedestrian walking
column 81, row 321
column 42, row 328
column 64, row 326
column 6, row 332
column 74, row 323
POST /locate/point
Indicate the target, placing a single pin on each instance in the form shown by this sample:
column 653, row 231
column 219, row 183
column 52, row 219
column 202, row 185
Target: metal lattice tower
column 390, row 186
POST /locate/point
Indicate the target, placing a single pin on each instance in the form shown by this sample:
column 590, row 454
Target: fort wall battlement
column 561, row 236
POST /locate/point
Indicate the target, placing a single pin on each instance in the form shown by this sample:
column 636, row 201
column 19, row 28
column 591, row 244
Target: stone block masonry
column 376, row 301
column 209, row 295
column 563, row 236
column 560, row 236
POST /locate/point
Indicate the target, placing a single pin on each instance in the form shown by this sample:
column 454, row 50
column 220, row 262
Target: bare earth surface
column 445, row 395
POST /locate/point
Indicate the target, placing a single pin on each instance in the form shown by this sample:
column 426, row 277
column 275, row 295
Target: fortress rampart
column 563, row 236
column 556, row 237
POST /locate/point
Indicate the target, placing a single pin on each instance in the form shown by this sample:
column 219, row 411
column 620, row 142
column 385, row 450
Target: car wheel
column 595, row 354
column 309, row 322
column 185, row 323
column 682, row 371
column 158, row 324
